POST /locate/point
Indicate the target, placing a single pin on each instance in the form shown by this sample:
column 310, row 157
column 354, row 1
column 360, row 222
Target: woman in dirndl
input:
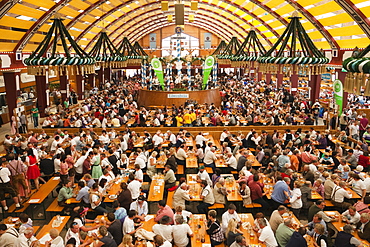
column 33, row 171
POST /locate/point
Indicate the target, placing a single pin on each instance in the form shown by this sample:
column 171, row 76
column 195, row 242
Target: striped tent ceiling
column 330, row 23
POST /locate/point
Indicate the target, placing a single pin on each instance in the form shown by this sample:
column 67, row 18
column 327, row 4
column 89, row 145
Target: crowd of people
column 295, row 163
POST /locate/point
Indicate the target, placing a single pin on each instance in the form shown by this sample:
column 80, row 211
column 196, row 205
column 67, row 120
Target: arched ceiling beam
column 268, row 10
column 6, row 5
column 152, row 3
column 139, row 35
column 149, row 23
column 356, row 14
column 36, row 26
column 207, row 19
column 316, row 23
column 142, row 24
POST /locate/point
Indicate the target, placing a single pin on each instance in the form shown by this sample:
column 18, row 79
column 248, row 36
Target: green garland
column 357, row 65
column 294, row 60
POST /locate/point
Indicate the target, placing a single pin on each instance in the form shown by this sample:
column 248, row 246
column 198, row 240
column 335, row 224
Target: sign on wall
column 177, row 96
column 207, row 40
column 153, row 40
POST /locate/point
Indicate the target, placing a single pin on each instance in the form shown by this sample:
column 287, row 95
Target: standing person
column 5, row 187
column 33, row 171
column 18, row 174
column 363, row 125
column 295, row 199
column 213, row 228
column 124, row 197
column 35, row 116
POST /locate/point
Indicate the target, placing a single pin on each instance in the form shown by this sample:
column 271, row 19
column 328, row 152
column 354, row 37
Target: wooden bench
column 209, row 170
column 54, row 207
column 328, row 203
column 169, row 201
column 217, row 206
column 180, row 170
column 13, row 209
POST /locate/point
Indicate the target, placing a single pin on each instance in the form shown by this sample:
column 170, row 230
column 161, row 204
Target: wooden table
column 254, row 161
column 354, row 194
column 248, row 232
column 189, row 142
column 156, row 189
column 195, row 188
column 139, row 143
column 161, row 161
column 315, row 195
column 44, row 191
column 232, row 186
column 220, row 162
column 197, row 225
column 191, row 161
column 339, row 225
column 45, row 229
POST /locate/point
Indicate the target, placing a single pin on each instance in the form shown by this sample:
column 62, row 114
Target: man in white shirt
column 139, row 161
column 134, row 186
column 56, row 240
column 228, row 215
column 139, row 176
column 181, row 232
column 129, row 225
column 171, row 137
column 200, row 139
column 210, row 158
column 223, row 135
column 181, row 155
column 27, row 239
column 8, row 236
column 266, row 235
column 164, row 229
column 203, row 175
column 231, row 161
column 157, row 139
column 338, row 195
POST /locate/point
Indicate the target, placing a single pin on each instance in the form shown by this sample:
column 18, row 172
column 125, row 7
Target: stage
column 150, row 98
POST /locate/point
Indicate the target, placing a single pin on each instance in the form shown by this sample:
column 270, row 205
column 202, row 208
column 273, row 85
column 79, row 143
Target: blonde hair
column 126, row 240
column 231, row 226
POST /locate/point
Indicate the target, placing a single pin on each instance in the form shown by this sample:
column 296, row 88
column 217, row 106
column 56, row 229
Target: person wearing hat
column 203, row 176
column 141, row 207
column 81, row 220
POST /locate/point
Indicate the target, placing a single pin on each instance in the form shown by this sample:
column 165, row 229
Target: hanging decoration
column 294, row 51
column 249, row 52
column 61, row 63
column 358, row 67
column 229, row 52
column 127, row 50
column 220, row 48
column 106, row 54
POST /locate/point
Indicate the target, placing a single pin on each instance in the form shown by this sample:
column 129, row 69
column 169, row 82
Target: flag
column 338, row 95
column 208, row 65
column 157, row 66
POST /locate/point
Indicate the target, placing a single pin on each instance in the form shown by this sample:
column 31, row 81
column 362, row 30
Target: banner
column 208, row 65
column 207, row 40
column 338, row 95
column 157, row 66
column 153, row 40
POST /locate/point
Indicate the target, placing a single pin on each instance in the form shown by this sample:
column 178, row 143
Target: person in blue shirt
column 281, row 191
column 83, row 194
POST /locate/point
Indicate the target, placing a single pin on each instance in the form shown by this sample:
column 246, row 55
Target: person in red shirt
column 163, row 210
column 364, row 160
column 257, row 193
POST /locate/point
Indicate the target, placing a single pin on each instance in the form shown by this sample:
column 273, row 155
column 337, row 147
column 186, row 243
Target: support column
column 259, row 76
column 294, row 83
column 42, row 101
column 91, row 80
column 268, row 78
column 100, row 78
column 107, row 74
column 12, row 87
column 63, row 80
column 315, row 87
column 279, row 78
column 80, row 87
column 342, row 77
